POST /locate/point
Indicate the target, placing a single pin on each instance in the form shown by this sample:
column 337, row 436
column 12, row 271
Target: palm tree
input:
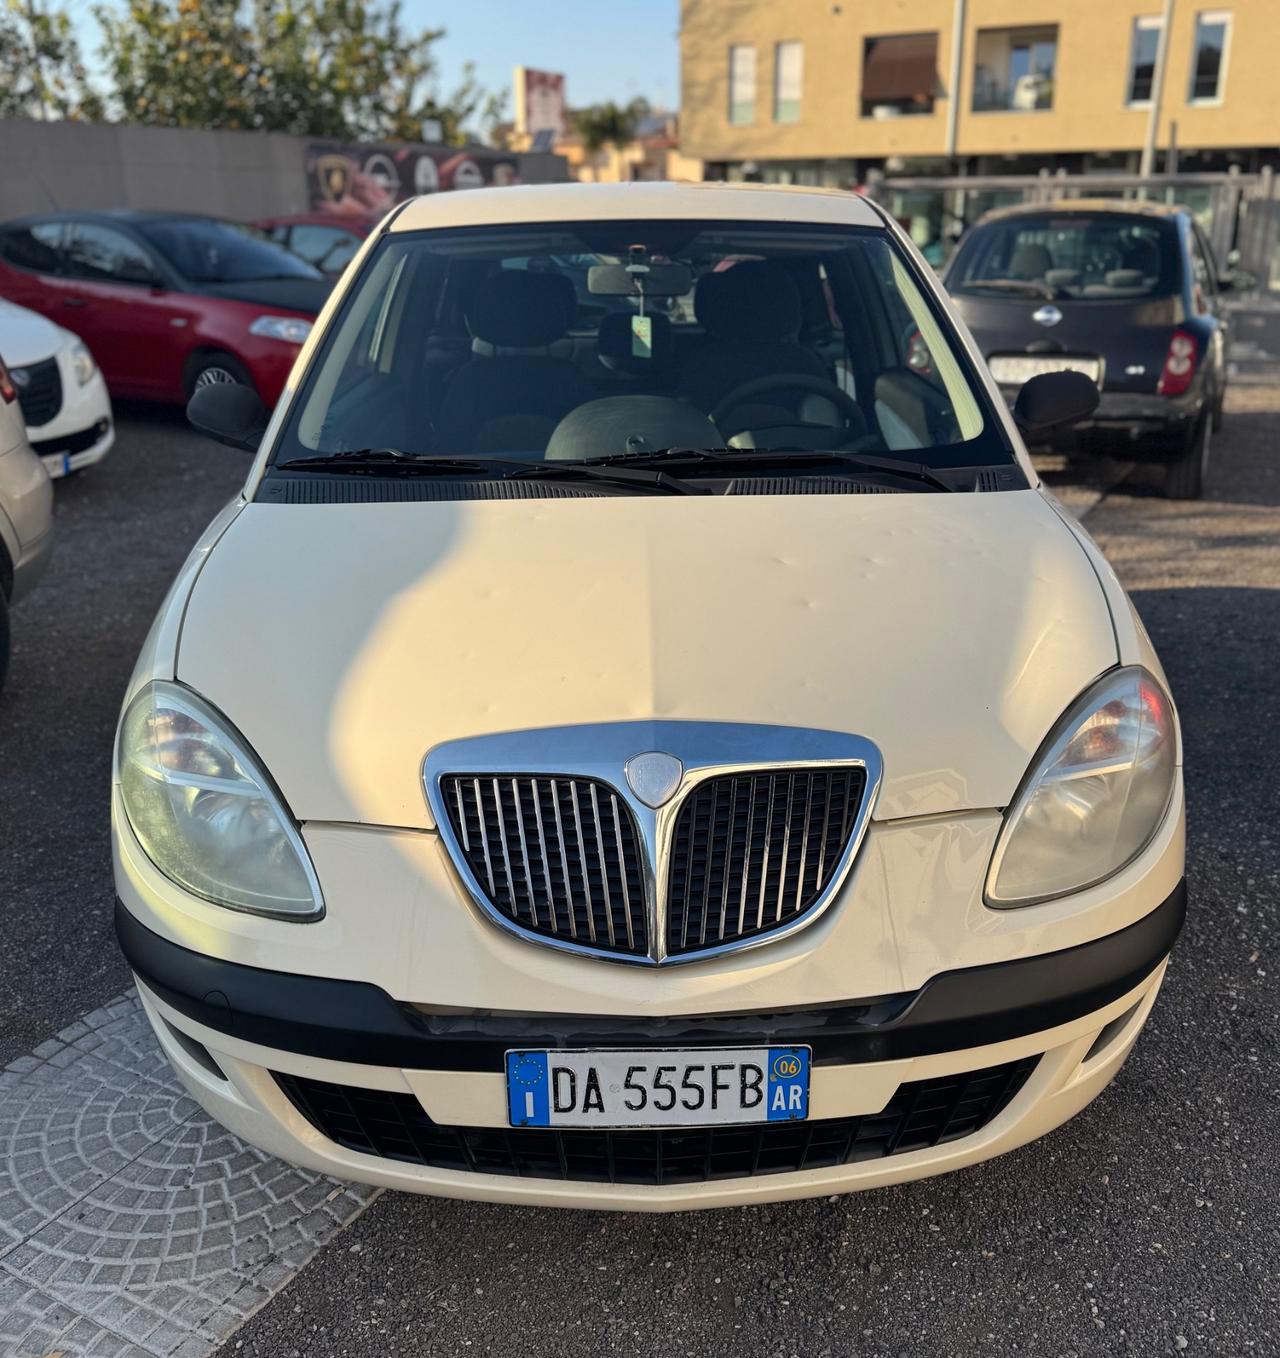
column 608, row 125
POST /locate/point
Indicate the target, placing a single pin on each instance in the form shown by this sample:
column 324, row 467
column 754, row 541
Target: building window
column 1209, row 58
column 742, row 85
column 788, row 81
column 899, row 74
column 1013, row 68
column 1142, row 59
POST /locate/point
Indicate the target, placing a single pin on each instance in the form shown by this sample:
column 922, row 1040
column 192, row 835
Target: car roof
column 356, row 224
column 1128, row 207
column 531, row 203
column 128, row 216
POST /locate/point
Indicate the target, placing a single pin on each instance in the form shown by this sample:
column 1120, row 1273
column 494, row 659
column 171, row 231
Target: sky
column 607, row 49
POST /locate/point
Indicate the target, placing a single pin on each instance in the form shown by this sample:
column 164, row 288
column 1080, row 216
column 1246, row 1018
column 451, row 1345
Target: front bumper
column 1056, row 1028
column 77, row 448
column 82, row 431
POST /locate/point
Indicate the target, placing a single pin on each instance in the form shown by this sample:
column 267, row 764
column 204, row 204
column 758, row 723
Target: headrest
column 620, row 349
column 1124, row 278
column 518, row 309
column 1063, row 278
column 1030, row 261
column 756, row 299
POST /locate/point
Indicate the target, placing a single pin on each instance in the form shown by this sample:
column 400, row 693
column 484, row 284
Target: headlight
column 81, row 363
column 289, row 328
column 1095, row 795
column 205, row 811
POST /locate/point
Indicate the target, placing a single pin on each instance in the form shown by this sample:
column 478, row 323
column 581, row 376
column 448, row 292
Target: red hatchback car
column 166, row 302
column 327, row 240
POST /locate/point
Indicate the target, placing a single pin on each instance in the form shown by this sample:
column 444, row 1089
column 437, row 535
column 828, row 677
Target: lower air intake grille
column 754, row 851
column 557, row 856
column 394, row 1126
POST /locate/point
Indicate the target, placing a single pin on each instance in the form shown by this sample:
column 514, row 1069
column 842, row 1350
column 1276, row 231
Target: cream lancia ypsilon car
column 643, row 737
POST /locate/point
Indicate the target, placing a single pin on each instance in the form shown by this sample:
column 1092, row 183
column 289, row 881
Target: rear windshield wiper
column 397, row 462
column 1029, row 287
column 866, row 462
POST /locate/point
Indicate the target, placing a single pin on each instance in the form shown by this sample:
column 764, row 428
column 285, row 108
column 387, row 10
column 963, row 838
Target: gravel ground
column 1148, row 1225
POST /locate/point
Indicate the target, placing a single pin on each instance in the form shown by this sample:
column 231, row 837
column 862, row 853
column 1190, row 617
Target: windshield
column 210, row 251
column 1071, row 255
column 563, row 343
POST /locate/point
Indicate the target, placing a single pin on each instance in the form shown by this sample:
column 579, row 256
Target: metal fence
column 1240, row 213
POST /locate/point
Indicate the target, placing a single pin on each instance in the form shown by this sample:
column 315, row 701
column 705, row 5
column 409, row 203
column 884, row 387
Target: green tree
column 609, row 124
column 325, row 68
column 41, row 73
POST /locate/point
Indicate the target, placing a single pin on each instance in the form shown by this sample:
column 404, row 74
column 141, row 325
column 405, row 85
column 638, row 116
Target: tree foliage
column 609, row 124
column 41, row 71
column 323, row 68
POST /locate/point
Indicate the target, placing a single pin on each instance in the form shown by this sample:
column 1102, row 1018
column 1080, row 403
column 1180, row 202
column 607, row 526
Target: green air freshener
column 641, row 337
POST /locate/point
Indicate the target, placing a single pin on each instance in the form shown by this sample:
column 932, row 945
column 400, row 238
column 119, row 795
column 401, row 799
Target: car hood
column 306, row 295
column 26, row 336
column 345, row 641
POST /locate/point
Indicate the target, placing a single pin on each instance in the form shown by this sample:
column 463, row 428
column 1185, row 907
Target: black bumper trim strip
column 354, row 1021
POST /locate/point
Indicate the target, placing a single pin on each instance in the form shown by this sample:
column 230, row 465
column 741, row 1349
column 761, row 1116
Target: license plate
column 702, row 1087
column 57, row 464
column 1012, row 370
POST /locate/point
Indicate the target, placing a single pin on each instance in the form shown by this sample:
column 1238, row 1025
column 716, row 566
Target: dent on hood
column 950, row 630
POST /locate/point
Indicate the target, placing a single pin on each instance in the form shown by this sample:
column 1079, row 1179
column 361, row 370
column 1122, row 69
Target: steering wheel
column 817, row 386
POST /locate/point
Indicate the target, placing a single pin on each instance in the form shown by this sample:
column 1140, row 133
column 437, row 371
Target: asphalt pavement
column 1148, row 1225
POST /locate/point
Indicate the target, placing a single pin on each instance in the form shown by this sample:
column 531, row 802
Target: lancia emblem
column 1047, row 315
column 654, row 776
column 21, row 377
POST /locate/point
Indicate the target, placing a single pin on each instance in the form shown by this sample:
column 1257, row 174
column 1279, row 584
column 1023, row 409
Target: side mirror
column 229, row 413
column 1051, row 399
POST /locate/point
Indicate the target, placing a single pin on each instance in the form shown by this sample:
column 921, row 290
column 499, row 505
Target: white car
column 63, row 397
column 26, row 512
column 643, row 737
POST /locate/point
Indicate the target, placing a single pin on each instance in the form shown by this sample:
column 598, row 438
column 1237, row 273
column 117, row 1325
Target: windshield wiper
column 393, row 460
column 867, row 462
column 604, row 469
column 397, row 462
column 1028, row 286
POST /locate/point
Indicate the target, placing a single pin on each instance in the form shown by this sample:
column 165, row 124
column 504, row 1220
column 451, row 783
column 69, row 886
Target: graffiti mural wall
column 362, row 181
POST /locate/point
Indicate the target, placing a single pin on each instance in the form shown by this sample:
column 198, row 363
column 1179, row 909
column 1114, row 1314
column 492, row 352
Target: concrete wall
column 228, row 174
column 72, row 165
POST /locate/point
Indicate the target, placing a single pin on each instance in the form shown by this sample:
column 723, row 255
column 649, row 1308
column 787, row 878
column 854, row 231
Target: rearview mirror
column 653, row 280
column 229, row 413
column 1051, row 399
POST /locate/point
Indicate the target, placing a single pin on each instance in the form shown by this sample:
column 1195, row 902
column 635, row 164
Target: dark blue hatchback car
column 1124, row 292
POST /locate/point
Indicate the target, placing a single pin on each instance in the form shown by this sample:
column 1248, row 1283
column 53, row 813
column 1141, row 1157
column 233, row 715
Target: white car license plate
column 690, row 1087
column 1012, row 370
column 57, row 464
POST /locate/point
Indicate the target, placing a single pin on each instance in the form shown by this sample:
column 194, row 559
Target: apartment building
column 816, row 92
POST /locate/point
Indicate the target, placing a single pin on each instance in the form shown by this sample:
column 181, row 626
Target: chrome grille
column 559, row 857
column 752, row 852
column 560, row 835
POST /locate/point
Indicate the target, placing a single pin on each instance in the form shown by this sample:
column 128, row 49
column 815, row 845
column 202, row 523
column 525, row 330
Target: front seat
column 751, row 314
column 514, row 389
